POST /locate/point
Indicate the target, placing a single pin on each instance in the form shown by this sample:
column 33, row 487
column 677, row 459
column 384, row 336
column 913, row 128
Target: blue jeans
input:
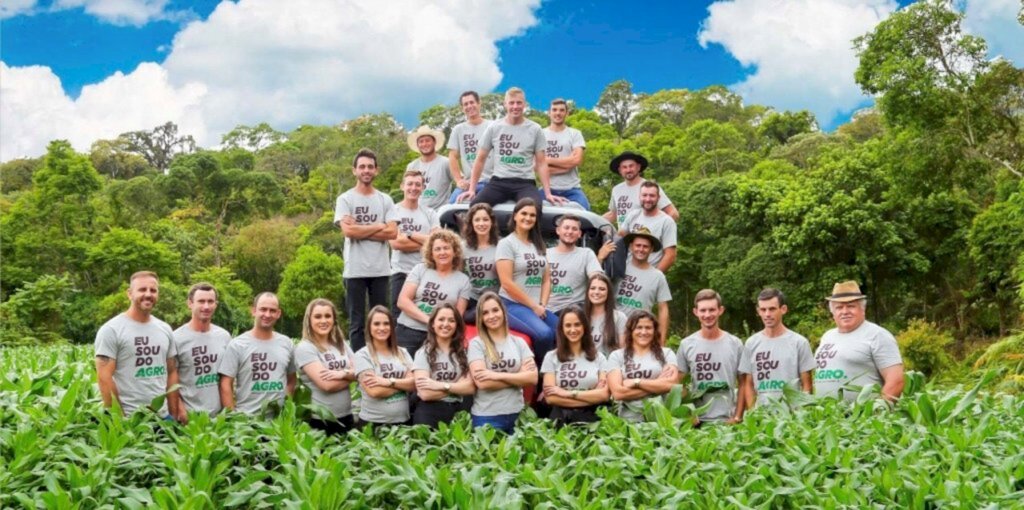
column 458, row 191
column 503, row 422
column 540, row 331
column 574, row 195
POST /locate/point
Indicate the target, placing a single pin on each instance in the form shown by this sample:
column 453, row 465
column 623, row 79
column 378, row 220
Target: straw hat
column 645, row 233
column 424, row 131
column 845, row 292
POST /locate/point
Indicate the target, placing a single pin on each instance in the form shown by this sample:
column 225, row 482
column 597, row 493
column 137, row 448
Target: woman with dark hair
column 441, row 369
column 574, row 373
column 436, row 281
column 480, row 235
column 526, row 278
column 501, row 364
column 384, row 372
column 599, row 307
column 643, row 368
column 326, row 366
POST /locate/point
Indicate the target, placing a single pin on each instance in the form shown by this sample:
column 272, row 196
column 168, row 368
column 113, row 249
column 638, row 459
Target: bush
column 924, row 347
column 34, row 313
column 1006, row 354
column 313, row 274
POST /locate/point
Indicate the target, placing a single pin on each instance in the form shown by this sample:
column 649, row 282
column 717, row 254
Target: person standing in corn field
column 779, row 356
column 199, row 345
column 643, row 368
column 856, row 352
column 132, row 350
column 716, row 362
column 257, row 367
column 326, row 366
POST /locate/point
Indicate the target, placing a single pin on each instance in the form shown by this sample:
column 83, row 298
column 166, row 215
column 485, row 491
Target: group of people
column 585, row 341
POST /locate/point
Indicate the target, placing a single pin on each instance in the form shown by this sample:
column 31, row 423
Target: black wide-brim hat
column 617, row 160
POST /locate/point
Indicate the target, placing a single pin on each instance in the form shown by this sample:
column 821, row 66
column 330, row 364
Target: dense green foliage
column 920, row 200
column 58, row 449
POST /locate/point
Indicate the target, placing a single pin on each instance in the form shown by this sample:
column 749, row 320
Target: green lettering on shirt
column 207, row 380
column 147, row 372
column 770, row 385
column 533, row 281
column 830, row 375
column 630, row 302
column 265, row 386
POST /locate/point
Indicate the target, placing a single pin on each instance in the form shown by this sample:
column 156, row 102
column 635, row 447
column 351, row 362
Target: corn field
column 960, row 448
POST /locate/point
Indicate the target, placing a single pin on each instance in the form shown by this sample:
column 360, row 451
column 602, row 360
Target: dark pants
column 615, row 266
column 343, row 425
column 410, row 339
column 503, row 422
column 569, row 415
column 362, row 294
column 500, row 190
column 397, row 282
column 437, row 411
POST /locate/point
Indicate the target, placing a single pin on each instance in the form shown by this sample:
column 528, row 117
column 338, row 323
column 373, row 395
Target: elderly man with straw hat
column 857, row 352
column 437, row 176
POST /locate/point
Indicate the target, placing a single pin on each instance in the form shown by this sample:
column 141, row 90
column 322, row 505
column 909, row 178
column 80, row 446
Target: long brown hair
column 481, row 328
column 534, row 234
column 563, row 351
column 393, row 348
column 335, row 337
column 610, row 334
column 457, row 352
column 634, row 319
column 469, row 235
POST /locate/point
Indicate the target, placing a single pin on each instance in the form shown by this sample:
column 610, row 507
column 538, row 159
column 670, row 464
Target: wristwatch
column 391, row 383
column 636, row 383
column 576, row 394
column 448, row 387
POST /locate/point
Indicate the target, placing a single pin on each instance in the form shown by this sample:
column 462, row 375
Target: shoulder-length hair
column 610, row 333
column 563, row 351
column 393, row 348
column 634, row 319
column 449, row 237
column 481, row 328
column 334, row 337
column 457, row 351
column 469, row 235
column 534, row 235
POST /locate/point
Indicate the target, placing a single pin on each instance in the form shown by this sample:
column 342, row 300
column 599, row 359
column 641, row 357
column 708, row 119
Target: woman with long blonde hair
column 326, row 365
column 385, row 373
column 501, row 364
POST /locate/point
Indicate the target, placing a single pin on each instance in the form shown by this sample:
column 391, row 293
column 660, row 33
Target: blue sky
column 90, row 69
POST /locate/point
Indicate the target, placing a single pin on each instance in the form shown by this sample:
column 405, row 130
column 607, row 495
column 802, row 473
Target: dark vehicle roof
column 595, row 227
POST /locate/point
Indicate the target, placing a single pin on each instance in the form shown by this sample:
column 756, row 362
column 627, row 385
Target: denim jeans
column 503, row 422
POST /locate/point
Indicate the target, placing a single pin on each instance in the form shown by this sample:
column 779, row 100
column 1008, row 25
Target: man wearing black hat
column 857, row 352
column 643, row 285
column 626, row 194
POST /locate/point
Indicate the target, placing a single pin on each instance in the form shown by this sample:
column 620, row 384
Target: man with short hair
column 626, row 195
column 415, row 223
column 199, row 345
column 716, row 362
column 642, row 285
column 132, row 350
column 656, row 221
column 564, row 155
column 857, row 352
column 519, row 145
column 367, row 219
column 257, row 367
column 464, row 143
column 437, row 177
column 571, row 267
column 779, row 357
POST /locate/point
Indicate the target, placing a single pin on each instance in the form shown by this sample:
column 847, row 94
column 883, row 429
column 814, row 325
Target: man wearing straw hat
column 857, row 352
column 437, row 176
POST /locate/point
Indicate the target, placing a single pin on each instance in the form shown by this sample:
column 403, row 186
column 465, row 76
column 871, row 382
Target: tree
column 713, row 148
column 779, row 127
column 261, row 250
column 996, row 242
column 252, row 138
column 35, row 311
column 312, row 274
column 114, row 159
column 234, row 298
column 617, row 104
column 929, row 74
column 121, row 252
column 16, row 175
column 160, row 145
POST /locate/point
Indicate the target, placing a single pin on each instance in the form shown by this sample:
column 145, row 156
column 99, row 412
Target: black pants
column 437, row 411
column 362, row 294
column 410, row 339
column 568, row 415
column 500, row 190
column 343, row 425
column 397, row 282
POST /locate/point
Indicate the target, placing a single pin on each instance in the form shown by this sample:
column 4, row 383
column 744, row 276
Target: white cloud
column 35, row 109
column 801, row 50
column 12, row 8
column 996, row 22
column 285, row 63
